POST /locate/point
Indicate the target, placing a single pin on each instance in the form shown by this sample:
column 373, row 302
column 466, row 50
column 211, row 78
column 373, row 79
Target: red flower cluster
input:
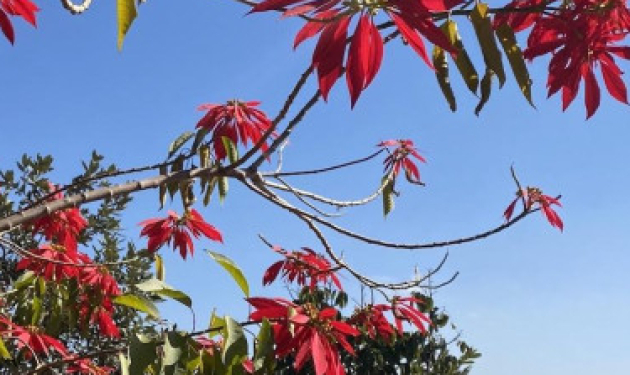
column 303, row 267
column 50, row 270
column 373, row 320
column 100, row 315
column 30, row 338
column 97, row 285
column 405, row 311
column 235, row 120
column 331, row 20
column 175, row 229
column 62, row 226
column 23, row 8
column 532, row 197
column 305, row 331
column 400, row 158
column 581, row 35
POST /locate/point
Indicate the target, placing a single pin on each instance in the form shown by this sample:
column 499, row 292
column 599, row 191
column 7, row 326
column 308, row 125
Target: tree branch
column 25, row 216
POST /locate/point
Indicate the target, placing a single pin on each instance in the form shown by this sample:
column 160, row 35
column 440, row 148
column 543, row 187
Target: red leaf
column 23, row 8
column 623, row 52
column 312, row 28
column 272, row 273
column 510, row 210
column 376, row 53
column 345, row 328
column 411, row 168
column 358, row 59
column 303, row 354
column 552, row 217
column 612, row 78
column 298, row 10
column 7, row 28
column 272, row 5
column 320, row 354
column 411, row 37
column 328, row 55
column 570, row 89
column 591, row 90
column 439, row 5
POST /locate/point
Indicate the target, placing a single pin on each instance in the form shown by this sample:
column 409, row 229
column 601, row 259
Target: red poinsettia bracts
column 581, row 36
column 23, row 8
column 308, row 333
column 520, row 21
column 236, row 120
column 304, row 267
column 100, row 279
column 534, row 197
column 62, row 226
column 176, row 230
column 102, row 316
column 405, row 311
column 30, row 338
column 372, row 319
column 49, row 270
column 399, row 158
column 331, row 21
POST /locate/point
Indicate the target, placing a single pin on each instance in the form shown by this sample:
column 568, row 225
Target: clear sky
column 532, row 300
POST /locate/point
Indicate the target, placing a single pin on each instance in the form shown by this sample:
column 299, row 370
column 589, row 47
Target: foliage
column 69, row 309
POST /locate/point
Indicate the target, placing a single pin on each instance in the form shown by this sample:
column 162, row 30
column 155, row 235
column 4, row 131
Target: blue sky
column 532, row 300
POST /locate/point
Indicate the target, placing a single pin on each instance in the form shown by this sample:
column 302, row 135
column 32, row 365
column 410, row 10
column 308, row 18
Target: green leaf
column 232, row 269
column 4, row 353
column 486, row 88
column 126, row 14
column 159, row 268
column 216, row 325
column 204, row 156
column 235, row 348
column 441, row 73
column 55, row 316
column 162, row 289
column 26, row 279
column 201, row 134
column 515, row 57
column 179, row 142
column 211, row 183
column 41, row 286
column 36, row 310
column 462, row 61
column 230, row 149
column 172, row 351
column 388, row 195
column 483, row 28
column 263, row 358
column 223, row 188
column 138, row 303
column 142, row 353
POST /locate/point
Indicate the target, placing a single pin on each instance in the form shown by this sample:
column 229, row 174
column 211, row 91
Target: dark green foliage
column 103, row 241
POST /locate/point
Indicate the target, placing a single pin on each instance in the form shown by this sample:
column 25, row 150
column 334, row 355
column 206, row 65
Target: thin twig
column 330, row 201
column 323, row 170
column 301, row 199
